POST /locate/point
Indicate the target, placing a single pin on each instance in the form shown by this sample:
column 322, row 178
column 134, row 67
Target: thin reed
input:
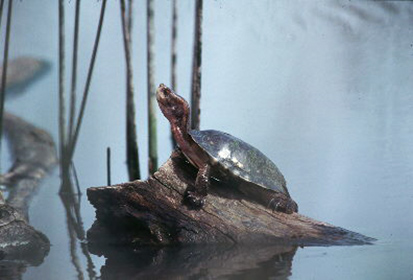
column 73, row 140
column 174, row 57
column 5, row 60
column 196, row 67
column 152, row 133
column 62, row 106
column 74, row 70
column 132, row 151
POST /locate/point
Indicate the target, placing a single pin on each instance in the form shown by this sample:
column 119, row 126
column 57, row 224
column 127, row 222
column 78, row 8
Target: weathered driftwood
column 19, row 240
column 34, row 155
column 151, row 213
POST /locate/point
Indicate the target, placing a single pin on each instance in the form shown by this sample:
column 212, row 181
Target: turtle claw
column 194, row 200
column 285, row 205
column 275, row 205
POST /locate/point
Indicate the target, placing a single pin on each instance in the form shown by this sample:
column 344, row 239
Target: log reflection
column 198, row 262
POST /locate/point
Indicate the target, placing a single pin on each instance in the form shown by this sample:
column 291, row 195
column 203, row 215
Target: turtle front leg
column 282, row 203
column 195, row 195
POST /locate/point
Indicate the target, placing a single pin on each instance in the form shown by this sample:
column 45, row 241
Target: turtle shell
column 238, row 158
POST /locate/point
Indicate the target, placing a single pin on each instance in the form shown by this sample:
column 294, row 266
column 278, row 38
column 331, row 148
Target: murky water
column 321, row 87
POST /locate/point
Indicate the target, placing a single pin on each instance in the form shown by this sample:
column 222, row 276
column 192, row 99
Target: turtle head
column 173, row 106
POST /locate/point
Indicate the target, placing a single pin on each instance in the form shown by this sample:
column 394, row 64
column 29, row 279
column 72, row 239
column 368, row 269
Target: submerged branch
column 152, row 133
column 196, row 68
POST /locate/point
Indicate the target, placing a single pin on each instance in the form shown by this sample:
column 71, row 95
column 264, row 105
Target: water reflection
column 33, row 154
column 11, row 270
column 75, row 231
column 198, row 262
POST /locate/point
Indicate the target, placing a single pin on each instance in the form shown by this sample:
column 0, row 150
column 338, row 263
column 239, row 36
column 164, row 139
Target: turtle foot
column 194, row 200
column 282, row 203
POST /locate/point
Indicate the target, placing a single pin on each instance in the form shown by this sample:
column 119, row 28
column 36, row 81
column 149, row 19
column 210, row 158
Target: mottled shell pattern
column 240, row 159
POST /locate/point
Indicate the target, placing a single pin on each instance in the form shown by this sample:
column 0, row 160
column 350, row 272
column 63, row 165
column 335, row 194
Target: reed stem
column 73, row 140
column 132, row 152
column 5, row 60
column 130, row 10
column 64, row 166
column 108, row 167
column 174, row 55
column 173, row 45
column 196, row 68
column 74, row 71
column 152, row 133
column 1, row 10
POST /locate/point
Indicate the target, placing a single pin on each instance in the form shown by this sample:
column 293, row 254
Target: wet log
column 19, row 240
column 152, row 213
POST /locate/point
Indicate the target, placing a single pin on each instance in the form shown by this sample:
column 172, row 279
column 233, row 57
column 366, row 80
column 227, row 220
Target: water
column 321, row 87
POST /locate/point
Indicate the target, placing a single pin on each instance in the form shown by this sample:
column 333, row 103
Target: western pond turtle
column 220, row 155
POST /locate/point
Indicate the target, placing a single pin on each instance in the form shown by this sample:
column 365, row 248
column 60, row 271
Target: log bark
column 152, row 213
column 19, row 240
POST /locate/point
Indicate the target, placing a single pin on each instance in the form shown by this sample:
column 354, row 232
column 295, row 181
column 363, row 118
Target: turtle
column 224, row 157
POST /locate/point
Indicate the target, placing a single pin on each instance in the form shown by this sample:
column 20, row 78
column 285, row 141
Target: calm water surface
column 323, row 88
